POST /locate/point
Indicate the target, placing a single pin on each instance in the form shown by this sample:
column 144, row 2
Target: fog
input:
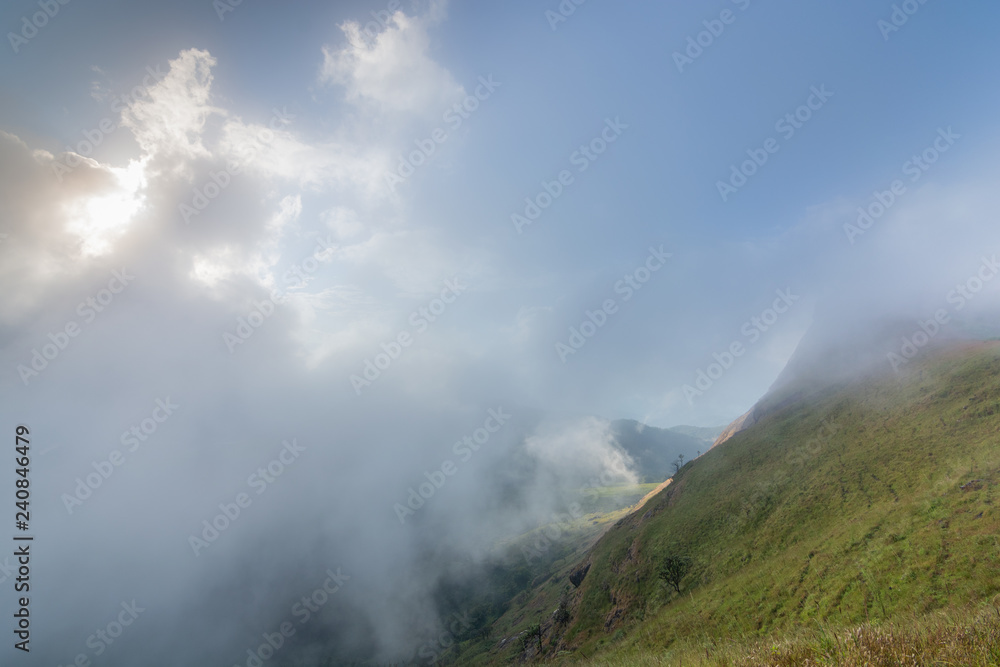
column 313, row 386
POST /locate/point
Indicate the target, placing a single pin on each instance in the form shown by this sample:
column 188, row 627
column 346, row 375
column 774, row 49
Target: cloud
column 171, row 122
column 392, row 71
column 53, row 224
column 99, row 219
column 274, row 152
column 298, row 183
column 582, row 448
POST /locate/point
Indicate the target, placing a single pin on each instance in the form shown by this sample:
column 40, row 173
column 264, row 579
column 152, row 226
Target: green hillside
column 862, row 503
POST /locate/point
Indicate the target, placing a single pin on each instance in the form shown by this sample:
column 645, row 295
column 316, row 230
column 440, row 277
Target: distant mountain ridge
column 706, row 433
column 653, row 450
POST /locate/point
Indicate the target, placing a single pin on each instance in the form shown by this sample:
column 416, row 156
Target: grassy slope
column 837, row 510
column 548, row 554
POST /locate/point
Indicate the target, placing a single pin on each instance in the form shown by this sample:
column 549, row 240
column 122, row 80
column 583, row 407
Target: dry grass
column 955, row 638
column 940, row 640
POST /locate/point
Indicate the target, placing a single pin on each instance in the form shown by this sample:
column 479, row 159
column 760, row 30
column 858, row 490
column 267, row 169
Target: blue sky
column 293, row 119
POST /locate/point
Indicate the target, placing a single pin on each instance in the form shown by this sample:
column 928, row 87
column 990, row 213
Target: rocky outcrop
column 577, row 575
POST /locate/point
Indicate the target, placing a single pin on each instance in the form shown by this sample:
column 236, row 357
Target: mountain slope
column 833, row 352
column 860, row 500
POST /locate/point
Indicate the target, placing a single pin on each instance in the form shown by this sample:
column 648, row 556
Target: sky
column 349, row 236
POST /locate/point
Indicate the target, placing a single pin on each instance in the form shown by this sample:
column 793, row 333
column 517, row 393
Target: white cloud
column 394, row 71
column 171, row 122
column 100, row 219
column 526, row 322
column 278, row 154
column 582, row 447
column 54, row 225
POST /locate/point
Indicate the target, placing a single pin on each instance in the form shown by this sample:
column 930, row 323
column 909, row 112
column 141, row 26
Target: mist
column 279, row 375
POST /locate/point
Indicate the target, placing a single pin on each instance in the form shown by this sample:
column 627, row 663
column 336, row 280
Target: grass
column 852, row 507
column 968, row 637
column 546, row 556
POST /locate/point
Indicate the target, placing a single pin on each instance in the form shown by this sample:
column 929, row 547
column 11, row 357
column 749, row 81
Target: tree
column 678, row 464
column 673, row 569
column 561, row 614
column 533, row 632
